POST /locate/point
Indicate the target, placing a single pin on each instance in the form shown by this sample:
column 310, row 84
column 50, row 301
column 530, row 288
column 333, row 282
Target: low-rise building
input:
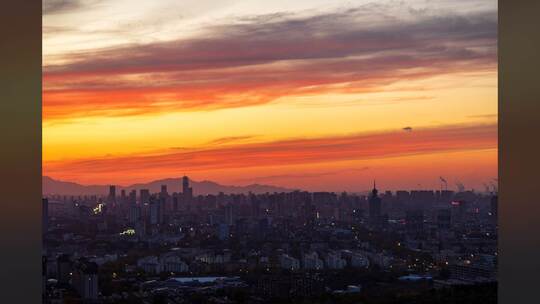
column 288, row 262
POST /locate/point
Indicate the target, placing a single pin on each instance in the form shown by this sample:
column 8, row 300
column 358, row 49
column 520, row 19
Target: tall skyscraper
column 376, row 218
column 185, row 184
column 111, row 199
column 187, row 191
column 374, row 204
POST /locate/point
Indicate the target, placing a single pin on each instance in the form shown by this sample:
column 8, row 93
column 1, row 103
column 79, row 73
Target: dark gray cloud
column 53, row 7
column 261, row 58
column 231, row 139
column 488, row 116
column 270, row 38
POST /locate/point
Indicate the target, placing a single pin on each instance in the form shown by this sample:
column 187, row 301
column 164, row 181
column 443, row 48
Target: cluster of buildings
column 331, row 260
column 72, row 278
column 298, row 233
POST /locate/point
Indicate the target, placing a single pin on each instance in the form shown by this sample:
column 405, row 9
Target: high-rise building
column 255, row 205
column 459, row 209
column 263, row 227
column 144, row 196
column 45, row 215
column 43, row 274
column 132, row 197
column 134, row 213
column 175, row 203
column 414, row 222
column 164, row 199
column 63, row 273
column 374, row 204
column 85, row 279
column 494, row 205
column 187, row 191
column 447, row 196
column 123, row 196
column 185, row 184
column 163, row 190
column 162, row 203
column 422, row 199
column 310, row 211
column 444, row 219
column 403, row 198
column 229, row 214
column 223, row 231
column 111, row 199
column 155, row 213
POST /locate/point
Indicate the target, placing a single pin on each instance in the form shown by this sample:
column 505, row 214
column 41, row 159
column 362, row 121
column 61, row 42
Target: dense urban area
column 420, row 246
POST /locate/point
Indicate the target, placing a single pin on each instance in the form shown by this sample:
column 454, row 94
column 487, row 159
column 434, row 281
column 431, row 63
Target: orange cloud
column 282, row 153
column 233, row 67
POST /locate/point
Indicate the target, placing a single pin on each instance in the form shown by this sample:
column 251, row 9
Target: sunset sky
column 311, row 94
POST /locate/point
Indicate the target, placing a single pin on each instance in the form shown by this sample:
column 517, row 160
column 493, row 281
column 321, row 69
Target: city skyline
column 319, row 96
column 169, row 244
column 206, row 187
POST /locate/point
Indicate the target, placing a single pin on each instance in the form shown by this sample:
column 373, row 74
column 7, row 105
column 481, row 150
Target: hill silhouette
column 53, row 186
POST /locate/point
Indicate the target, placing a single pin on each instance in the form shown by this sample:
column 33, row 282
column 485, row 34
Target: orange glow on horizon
column 324, row 99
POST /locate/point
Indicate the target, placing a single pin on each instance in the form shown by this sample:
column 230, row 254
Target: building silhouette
column 374, row 204
column 111, row 199
column 187, row 191
column 145, row 196
column 494, row 204
column 45, row 215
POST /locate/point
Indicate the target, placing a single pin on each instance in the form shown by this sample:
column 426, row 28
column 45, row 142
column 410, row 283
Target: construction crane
column 445, row 183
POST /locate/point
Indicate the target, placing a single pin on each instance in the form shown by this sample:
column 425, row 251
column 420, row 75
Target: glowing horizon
column 317, row 96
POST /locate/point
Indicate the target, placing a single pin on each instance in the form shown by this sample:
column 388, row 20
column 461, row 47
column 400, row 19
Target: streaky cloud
column 287, row 152
column 263, row 58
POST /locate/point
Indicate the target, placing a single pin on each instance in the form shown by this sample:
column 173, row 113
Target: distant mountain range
column 52, row 186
